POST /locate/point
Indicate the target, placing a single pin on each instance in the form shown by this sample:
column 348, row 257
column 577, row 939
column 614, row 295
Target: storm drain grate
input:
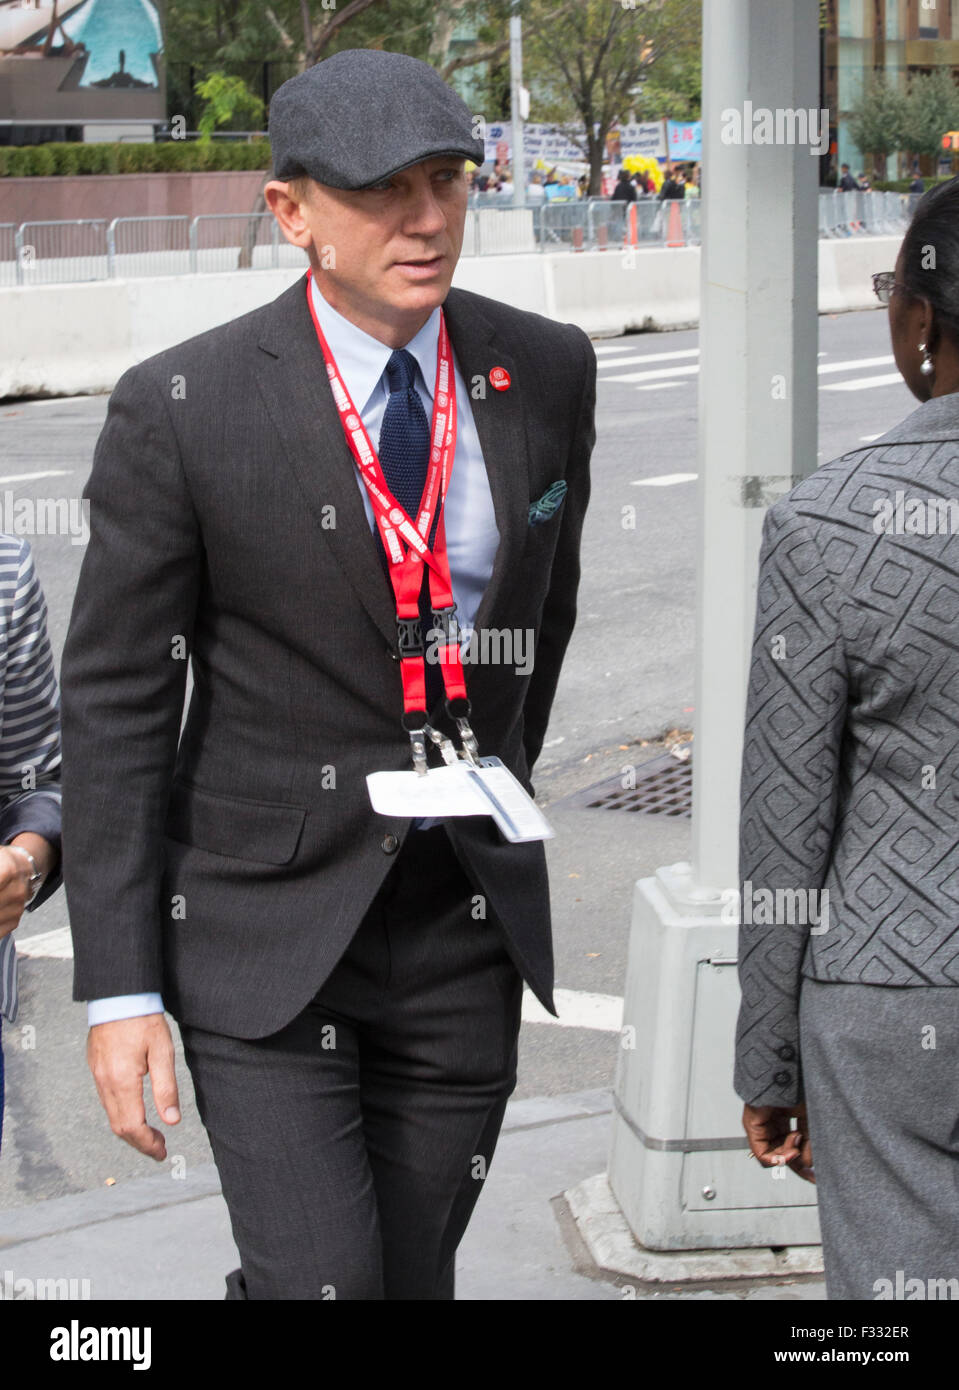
column 663, row 787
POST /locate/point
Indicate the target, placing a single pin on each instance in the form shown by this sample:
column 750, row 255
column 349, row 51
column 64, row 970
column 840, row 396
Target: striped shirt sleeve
column 29, row 728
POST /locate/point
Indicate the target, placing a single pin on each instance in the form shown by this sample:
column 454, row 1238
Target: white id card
column 462, row 790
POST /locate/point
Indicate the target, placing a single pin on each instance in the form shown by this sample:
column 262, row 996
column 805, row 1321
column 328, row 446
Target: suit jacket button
column 390, row 844
column 783, row 1078
column 787, row 1053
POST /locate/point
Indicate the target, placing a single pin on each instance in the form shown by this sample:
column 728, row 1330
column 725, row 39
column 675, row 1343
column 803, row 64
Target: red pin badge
column 500, row 379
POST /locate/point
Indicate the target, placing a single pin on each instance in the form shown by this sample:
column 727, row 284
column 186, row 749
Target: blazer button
column 390, row 844
column 783, row 1078
column 787, row 1053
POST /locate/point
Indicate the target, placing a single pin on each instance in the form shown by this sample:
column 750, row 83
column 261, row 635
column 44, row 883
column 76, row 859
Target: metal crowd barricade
column 49, row 253
column 138, row 246
column 692, row 221
column 234, row 241
column 241, row 241
column 827, row 227
column 606, row 224
column 563, row 225
column 8, row 253
column 92, row 249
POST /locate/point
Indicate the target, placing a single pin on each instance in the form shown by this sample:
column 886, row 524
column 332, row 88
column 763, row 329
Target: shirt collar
column 362, row 358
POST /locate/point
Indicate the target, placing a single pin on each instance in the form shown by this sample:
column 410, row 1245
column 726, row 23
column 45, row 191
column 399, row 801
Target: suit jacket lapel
column 297, row 394
column 501, row 428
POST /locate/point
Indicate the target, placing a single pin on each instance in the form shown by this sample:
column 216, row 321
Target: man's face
column 385, row 253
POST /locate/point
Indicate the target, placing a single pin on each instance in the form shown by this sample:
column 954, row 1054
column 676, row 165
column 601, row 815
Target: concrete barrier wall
column 71, row 339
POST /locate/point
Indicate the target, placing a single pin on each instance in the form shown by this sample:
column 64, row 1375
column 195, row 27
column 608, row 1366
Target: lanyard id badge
column 466, row 784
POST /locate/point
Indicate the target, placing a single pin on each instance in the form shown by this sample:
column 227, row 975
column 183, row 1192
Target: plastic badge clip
column 445, row 745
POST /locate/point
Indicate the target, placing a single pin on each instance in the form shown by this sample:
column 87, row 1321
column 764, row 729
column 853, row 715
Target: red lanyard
column 406, row 542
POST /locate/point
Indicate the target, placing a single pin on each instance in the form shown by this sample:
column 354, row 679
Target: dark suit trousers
column 352, row 1144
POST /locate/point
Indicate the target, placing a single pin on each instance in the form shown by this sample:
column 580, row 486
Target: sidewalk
column 162, row 1238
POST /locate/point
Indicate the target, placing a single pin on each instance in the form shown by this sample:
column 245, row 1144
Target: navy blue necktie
column 404, row 452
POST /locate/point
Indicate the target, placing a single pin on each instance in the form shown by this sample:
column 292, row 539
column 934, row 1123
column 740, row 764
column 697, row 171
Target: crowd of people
column 680, row 181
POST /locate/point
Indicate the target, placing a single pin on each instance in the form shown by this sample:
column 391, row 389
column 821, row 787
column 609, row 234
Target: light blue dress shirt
column 472, row 535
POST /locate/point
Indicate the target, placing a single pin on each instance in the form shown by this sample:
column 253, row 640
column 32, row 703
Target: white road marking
column 665, row 480
column 863, row 383
column 855, row 365
column 869, row 438
column 648, row 357
column 611, row 347
column 658, row 372
column 49, row 945
column 25, row 477
column 603, row 1013
column 824, row 369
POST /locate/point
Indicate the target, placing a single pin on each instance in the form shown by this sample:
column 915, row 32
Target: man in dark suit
column 347, row 985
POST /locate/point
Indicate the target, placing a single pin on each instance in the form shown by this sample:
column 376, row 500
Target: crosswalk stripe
column 49, row 945
column 656, row 372
column 602, row 1013
column 863, row 383
column 26, row 477
column 665, row 480
column 600, row 348
column 664, row 377
column 856, row 365
column 635, row 357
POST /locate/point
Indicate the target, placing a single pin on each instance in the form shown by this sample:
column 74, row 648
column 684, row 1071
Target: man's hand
column 120, row 1054
column 774, row 1143
column 15, row 873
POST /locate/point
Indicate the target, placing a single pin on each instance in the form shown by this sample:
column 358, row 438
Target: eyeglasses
column 884, row 283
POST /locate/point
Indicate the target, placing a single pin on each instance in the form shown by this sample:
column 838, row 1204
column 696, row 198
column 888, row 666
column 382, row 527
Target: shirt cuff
column 122, row 1006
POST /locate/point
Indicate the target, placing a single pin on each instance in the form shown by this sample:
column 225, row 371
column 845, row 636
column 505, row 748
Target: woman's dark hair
column 935, row 227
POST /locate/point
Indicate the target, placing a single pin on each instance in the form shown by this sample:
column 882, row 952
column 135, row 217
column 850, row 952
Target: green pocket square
column 548, row 504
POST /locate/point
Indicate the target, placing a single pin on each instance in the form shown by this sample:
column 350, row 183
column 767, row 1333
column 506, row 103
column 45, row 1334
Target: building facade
column 897, row 37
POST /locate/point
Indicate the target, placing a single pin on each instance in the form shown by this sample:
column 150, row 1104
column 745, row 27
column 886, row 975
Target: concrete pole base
column 615, row 1250
column 679, row 1166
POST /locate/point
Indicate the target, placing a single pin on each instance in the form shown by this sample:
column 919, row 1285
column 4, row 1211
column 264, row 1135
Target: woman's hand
column 15, row 871
column 774, row 1143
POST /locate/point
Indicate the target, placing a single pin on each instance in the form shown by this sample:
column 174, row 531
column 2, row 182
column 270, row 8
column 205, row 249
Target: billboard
column 547, row 145
column 76, row 61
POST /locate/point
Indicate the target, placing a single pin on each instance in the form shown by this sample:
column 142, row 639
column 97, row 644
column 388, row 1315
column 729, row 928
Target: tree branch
column 285, row 39
column 476, row 55
column 324, row 35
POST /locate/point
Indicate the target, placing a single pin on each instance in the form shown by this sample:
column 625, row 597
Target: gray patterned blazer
column 851, row 757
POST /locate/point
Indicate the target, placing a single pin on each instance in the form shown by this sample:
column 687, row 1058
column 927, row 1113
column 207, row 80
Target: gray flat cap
column 362, row 115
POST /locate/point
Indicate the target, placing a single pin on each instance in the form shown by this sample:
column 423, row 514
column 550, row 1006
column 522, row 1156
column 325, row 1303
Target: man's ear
column 288, row 212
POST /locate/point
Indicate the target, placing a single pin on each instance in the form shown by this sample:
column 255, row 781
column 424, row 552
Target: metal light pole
column 678, row 1168
column 516, row 105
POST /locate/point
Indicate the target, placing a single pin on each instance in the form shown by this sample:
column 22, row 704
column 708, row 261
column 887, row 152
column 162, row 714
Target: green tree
column 591, row 59
column 931, row 108
column 877, row 122
column 226, row 99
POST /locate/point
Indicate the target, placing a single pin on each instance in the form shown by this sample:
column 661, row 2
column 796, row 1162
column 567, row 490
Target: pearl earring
column 927, row 366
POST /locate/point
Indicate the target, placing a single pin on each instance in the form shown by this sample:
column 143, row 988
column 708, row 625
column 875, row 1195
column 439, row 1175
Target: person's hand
column 15, row 871
column 774, row 1143
column 120, row 1054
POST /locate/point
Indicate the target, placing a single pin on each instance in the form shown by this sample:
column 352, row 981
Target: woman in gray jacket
column 849, row 1025
column 29, row 760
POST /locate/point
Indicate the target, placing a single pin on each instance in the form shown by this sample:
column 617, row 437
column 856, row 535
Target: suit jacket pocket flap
column 265, row 831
